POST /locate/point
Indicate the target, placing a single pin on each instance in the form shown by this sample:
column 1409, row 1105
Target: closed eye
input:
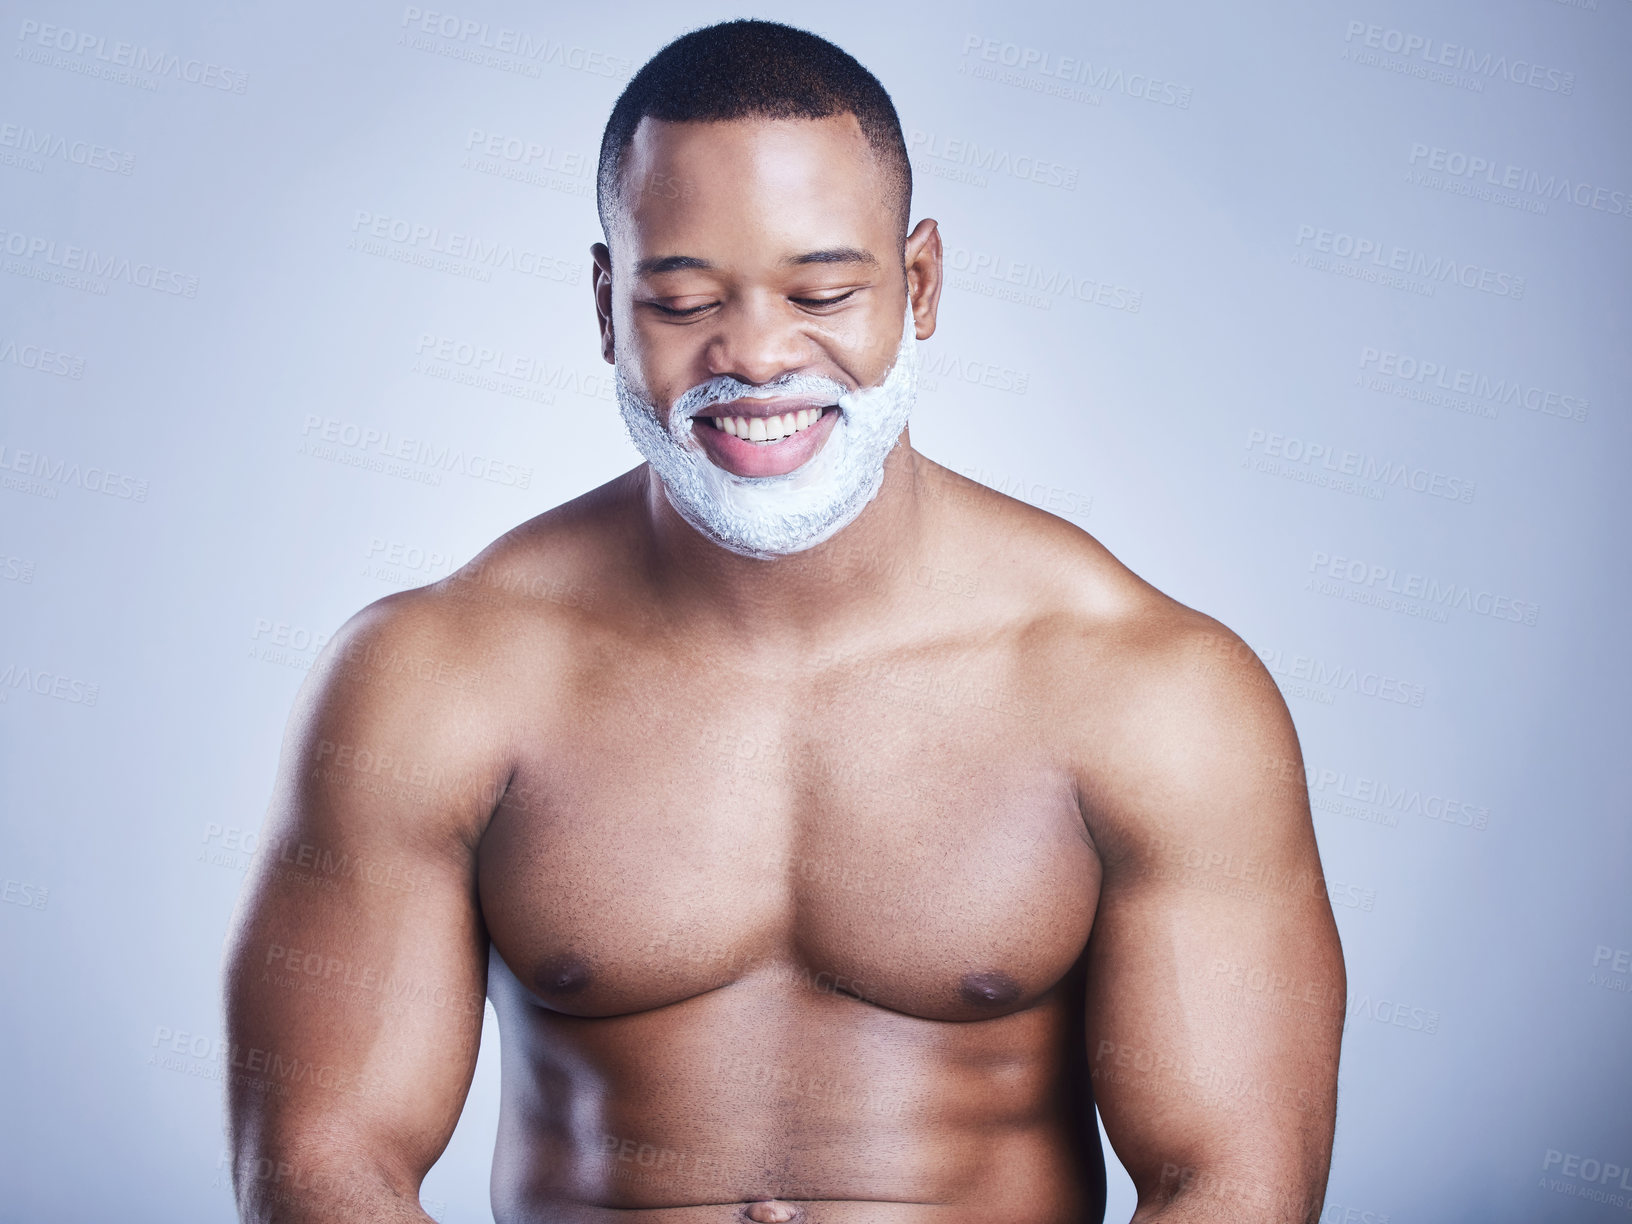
column 672, row 313
column 818, row 303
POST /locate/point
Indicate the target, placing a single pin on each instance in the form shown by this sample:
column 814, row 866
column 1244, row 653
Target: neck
column 859, row 572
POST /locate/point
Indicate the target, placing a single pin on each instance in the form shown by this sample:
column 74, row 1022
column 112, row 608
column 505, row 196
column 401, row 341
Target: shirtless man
column 829, row 832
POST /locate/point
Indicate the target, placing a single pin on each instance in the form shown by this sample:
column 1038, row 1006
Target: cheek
column 866, row 349
column 648, row 356
column 660, row 372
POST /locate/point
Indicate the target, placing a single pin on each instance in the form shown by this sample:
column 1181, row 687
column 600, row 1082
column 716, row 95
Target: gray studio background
column 1315, row 314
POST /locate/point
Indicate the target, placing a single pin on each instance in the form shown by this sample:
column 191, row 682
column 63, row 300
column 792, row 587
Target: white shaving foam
column 773, row 516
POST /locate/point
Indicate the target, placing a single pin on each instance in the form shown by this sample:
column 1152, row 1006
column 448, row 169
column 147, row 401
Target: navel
column 772, row 1211
column 988, row 988
column 561, row 975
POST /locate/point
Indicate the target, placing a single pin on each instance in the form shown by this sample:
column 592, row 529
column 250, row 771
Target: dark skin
column 837, row 887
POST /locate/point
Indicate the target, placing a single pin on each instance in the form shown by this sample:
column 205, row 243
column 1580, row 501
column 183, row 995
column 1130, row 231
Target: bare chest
column 920, row 850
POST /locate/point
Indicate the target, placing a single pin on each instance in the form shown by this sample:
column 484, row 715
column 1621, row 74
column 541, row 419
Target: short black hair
column 747, row 69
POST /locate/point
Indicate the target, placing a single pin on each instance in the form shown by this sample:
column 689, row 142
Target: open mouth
column 764, row 429
column 762, row 441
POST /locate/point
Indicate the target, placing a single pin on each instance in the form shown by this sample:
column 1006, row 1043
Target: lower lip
column 741, row 457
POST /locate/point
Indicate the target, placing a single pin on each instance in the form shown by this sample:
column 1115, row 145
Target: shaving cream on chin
column 773, row 516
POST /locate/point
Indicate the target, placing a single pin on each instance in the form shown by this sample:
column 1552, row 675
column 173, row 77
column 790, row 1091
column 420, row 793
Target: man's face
column 753, row 249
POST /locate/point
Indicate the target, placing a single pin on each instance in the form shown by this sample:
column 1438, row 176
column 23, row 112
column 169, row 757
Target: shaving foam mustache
column 775, row 516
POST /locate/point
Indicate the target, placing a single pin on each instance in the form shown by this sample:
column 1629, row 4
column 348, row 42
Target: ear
column 924, row 275
column 600, row 282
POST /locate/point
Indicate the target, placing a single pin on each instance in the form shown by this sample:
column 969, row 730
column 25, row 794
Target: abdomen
column 772, row 1086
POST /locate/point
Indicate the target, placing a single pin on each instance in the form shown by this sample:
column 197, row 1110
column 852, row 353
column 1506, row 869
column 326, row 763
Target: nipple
column 989, row 989
column 771, row 1211
column 562, row 975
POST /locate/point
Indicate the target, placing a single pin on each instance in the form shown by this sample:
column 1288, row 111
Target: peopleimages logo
column 1397, row 1015
column 950, row 364
column 46, row 474
column 1411, row 377
column 1388, row 580
column 1032, row 284
column 530, row 154
column 375, row 233
column 1476, row 171
column 480, row 43
column 33, row 147
column 83, row 267
column 1588, row 1168
column 418, row 459
column 45, row 360
column 990, row 159
column 1459, row 58
column 1409, row 262
column 1028, row 64
column 1320, row 678
column 80, row 44
column 1282, row 451
column 48, row 684
column 1337, row 791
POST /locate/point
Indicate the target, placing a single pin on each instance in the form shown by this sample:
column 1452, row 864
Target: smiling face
column 753, row 249
column 754, row 303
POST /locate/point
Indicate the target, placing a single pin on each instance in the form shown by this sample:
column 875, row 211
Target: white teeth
column 768, row 429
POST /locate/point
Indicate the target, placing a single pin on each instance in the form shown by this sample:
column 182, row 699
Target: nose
column 756, row 343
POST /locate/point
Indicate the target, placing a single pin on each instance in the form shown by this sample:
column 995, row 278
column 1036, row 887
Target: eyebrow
column 834, row 255
column 656, row 265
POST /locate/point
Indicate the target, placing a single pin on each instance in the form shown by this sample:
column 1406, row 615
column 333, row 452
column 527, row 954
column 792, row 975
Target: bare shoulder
column 425, row 692
column 558, row 565
column 391, row 727
column 537, row 577
column 1170, row 713
column 1063, row 576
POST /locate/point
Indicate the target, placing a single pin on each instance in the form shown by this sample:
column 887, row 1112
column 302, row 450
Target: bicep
column 1215, row 985
column 356, row 971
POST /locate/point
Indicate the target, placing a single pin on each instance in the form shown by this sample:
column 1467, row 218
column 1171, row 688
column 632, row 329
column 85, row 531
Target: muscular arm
column 1216, row 984
column 356, row 969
